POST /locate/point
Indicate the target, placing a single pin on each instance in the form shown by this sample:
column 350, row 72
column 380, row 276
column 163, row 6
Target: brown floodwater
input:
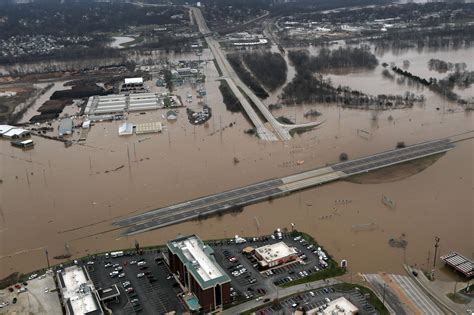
column 52, row 197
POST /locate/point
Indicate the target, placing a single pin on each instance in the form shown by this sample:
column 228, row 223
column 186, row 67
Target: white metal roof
column 133, row 80
column 125, row 129
column 5, row 128
column 15, row 132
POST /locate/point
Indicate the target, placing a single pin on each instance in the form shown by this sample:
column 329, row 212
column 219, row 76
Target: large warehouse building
column 275, row 254
column 199, row 272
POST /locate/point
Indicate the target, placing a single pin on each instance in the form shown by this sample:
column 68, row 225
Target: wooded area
column 269, row 68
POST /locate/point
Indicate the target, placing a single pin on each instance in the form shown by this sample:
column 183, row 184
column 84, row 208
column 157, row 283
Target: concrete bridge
column 274, row 188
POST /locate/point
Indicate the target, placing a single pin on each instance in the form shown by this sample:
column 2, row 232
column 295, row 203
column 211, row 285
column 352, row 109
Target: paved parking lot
column 155, row 292
column 318, row 299
column 265, row 281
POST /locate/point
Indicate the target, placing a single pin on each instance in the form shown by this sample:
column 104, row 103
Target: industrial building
column 275, row 254
column 12, row 132
column 133, row 85
column 77, row 292
column 144, row 101
column 65, row 127
column 197, row 270
column 113, row 103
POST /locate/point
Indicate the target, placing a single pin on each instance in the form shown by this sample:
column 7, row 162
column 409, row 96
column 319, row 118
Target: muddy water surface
column 52, row 196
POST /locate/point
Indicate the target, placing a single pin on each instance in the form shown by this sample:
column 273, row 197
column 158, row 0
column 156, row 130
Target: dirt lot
column 8, row 104
column 39, row 298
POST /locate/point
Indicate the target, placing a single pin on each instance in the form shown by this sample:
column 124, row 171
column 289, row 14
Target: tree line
column 270, row 68
column 343, row 57
column 235, row 60
column 310, row 86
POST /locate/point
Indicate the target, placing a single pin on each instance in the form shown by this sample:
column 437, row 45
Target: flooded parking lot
column 54, row 197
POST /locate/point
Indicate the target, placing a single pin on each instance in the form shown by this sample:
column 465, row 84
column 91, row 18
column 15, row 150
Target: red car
column 18, row 286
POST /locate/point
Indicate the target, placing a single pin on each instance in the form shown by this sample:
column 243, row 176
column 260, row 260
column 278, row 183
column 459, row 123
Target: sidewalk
column 437, row 291
column 281, row 293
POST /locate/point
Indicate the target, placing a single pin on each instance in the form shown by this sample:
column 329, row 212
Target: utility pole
column 436, row 251
column 47, row 256
column 257, row 224
column 383, row 300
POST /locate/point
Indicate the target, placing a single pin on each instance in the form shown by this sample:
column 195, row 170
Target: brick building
column 197, row 270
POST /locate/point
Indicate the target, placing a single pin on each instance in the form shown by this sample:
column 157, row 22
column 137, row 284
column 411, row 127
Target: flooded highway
column 55, row 197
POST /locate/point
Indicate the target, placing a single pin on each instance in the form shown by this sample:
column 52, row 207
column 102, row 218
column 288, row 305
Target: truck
column 116, row 254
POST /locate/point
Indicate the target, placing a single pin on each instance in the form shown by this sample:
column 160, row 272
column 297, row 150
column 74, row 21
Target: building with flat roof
column 198, row 272
column 78, row 293
column 65, row 127
column 459, row 263
column 340, row 306
column 275, row 254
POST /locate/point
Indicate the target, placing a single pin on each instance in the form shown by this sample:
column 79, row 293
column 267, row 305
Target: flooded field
column 55, row 197
column 119, row 41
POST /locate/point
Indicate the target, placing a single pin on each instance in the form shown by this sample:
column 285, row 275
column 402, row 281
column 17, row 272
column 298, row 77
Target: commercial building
column 77, row 292
column 275, row 254
column 133, row 85
column 119, row 104
column 12, row 132
column 340, row 306
column 144, row 101
column 460, row 263
column 197, row 270
column 65, row 127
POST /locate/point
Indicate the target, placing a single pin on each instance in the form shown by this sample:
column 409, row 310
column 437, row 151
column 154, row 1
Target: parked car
column 114, row 273
column 140, row 275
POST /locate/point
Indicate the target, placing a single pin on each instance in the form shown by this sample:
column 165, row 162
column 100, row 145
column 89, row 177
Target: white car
column 140, row 275
column 90, row 262
column 33, row 276
column 141, row 263
column 126, row 284
column 21, row 290
column 121, row 275
column 114, row 273
column 2, row 305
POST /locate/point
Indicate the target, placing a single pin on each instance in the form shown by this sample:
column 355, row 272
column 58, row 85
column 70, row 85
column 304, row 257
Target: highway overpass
column 242, row 91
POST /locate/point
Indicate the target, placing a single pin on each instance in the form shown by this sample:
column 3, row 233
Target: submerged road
column 235, row 199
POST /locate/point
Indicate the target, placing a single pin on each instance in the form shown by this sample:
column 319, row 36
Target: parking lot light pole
column 436, row 251
column 47, row 256
column 383, row 299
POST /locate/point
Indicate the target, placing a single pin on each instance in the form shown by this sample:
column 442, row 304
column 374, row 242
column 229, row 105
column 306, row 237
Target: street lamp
column 436, row 251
